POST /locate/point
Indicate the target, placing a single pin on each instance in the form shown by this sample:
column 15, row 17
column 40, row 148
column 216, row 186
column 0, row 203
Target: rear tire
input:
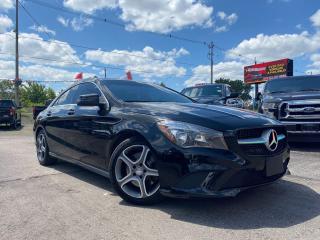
column 43, row 149
column 133, row 172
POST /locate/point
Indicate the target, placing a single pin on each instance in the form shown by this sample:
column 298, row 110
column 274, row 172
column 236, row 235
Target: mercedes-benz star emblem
column 271, row 138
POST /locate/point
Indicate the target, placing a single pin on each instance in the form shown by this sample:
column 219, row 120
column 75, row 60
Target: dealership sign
column 263, row 72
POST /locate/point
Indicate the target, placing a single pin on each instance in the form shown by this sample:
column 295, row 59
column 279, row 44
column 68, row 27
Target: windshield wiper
column 278, row 92
column 309, row 89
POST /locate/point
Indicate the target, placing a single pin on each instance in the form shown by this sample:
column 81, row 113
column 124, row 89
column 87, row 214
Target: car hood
column 216, row 117
column 280, row 97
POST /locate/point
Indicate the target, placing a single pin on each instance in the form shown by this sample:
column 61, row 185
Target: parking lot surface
column 67, row 202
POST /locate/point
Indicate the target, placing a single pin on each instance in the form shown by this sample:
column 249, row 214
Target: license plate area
column 274, row 166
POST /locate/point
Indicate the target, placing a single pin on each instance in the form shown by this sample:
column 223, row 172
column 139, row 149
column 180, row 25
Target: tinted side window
column 82, row 89
column 64, row 99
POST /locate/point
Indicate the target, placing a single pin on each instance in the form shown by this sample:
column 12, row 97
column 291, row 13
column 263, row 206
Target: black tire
column 14, row 125
column 156, row 197
column 43, row 153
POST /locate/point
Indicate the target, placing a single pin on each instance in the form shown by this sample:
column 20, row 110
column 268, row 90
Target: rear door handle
column 71, row 111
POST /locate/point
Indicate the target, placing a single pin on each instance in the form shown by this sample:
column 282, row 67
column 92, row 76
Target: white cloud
column 84, row 6
column 42, row 29
column 227, row 21
column 6, row 4
column 150, row 15
column 77, row 23
column 63, row 21
column 221, row 29
column 37, row 72
column 230, row 19
column 201, row 74
column 315, row 19
column 271, row 47
column 299, row 26
column 143, row 61
column 32, row 45
column 5, row 23
column 315, row 58
column 155, row 16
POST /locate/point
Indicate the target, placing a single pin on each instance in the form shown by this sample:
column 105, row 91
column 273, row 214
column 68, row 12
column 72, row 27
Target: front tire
column 134, row 175
column 43, row 149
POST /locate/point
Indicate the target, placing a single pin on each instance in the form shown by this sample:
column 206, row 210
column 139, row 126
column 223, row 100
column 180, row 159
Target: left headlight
column 190, row 135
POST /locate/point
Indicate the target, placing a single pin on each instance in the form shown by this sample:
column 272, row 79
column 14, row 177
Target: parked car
column 214, row 94
column 295, row 101
column 9, row 113
column 154, row 142
column 37, row 109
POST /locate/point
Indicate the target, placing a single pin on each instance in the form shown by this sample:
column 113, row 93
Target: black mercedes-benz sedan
column 153, row 142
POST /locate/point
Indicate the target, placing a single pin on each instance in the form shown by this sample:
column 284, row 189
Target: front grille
column 300, row 110
column 257, row 132
column 259, row 149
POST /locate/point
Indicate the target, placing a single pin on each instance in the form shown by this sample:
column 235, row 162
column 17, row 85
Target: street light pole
column 17, row 78
column 210, row 55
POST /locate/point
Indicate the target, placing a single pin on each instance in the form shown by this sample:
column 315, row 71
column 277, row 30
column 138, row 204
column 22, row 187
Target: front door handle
column 71, row 112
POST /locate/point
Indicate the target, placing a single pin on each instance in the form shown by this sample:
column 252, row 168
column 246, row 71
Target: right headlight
column 190, row 135
column 267, row 106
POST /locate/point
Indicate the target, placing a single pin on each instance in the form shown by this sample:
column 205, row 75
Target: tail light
column 12, row 111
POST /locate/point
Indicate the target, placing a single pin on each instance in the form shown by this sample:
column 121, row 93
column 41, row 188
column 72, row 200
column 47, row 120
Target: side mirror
column 234, row 95
column 89, row 100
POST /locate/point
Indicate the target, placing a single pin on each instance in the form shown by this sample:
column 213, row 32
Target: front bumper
column 303, row 131
column 215, row 173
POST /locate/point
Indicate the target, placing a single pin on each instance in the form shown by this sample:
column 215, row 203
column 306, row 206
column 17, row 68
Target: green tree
column 50, row 94
column 6, row 89
column 237, row 86
column 35, row 94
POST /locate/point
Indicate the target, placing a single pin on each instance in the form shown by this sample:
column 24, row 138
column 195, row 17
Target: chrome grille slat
column 300, row 110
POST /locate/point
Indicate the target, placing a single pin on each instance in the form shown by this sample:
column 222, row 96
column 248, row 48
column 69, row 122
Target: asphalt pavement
column 67, row 202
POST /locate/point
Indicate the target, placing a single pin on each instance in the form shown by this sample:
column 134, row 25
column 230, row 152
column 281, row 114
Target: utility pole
column 105, row 73
column 210, row 56
column 17, row 79
column 256, row 85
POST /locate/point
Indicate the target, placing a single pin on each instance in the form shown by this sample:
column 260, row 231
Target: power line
column 235, row 54
column 115, row 53
column 39, row 25
column 91, row 65
column 115, row 23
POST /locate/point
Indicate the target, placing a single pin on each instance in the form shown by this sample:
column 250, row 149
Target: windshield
column 5, row 103
column 203, row 91
column 129, row 91
column 295, row 84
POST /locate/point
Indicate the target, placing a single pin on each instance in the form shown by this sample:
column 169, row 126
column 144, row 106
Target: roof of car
column 293, row 77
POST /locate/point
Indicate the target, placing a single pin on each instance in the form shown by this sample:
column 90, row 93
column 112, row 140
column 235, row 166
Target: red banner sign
column 263, row 72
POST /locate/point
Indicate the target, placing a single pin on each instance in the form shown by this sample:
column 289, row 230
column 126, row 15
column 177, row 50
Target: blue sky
column 246, row 29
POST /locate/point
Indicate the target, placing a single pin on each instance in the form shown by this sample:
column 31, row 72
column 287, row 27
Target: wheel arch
column 120, row 137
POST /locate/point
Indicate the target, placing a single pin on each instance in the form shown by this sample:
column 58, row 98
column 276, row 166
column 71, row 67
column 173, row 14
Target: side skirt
column 83, row 165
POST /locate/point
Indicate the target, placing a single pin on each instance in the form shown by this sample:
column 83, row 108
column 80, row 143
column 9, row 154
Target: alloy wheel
column 41, row 147
column 135, row 172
